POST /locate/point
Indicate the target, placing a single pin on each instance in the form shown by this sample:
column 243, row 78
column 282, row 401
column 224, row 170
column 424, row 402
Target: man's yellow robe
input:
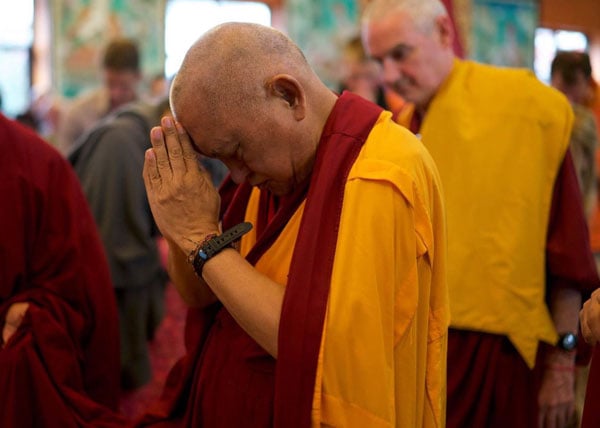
column 363, row 328
column 382, row 360
column 471, row 129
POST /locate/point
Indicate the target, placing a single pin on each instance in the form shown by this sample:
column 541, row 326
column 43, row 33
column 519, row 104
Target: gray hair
column 422, row 12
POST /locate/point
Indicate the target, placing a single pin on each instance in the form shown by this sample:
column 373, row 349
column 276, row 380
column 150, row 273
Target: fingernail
column 156, row 133
column 168, row 122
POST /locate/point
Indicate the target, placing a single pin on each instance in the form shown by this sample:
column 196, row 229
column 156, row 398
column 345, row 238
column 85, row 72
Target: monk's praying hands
column 13, row 319
column 589, row 317
column 183, row 200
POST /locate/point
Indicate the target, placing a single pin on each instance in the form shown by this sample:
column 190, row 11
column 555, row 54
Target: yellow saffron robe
column 382, row 361
column 502, row 129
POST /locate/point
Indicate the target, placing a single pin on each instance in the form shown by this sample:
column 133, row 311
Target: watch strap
column 215, row 244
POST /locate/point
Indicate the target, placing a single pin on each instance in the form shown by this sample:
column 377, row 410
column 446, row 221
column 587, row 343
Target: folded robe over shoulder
column 61, row 367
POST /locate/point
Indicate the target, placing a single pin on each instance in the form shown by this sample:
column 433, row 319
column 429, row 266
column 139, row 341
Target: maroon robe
column 61, row 367
column 226, row 379
column 591, row 407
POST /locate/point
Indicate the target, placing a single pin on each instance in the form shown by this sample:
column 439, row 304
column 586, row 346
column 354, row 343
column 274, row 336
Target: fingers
column 173, row 145
column 203, row 171
column 157, row 138
column 556, row 398
column 189, row 154
column 556, row 416
column 150, row 171
column 590, row 319
column 13, row 319
column 585, row 330
column 173, row 149
column 7, row 332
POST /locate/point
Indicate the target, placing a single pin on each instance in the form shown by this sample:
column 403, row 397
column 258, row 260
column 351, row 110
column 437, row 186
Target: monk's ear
column 287, row 89
column 445, row 30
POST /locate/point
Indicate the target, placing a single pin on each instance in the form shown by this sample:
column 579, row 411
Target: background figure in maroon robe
column 59, row 355
column 590, row 329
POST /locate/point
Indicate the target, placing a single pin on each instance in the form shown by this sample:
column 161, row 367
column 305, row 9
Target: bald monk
column 518, row 249
column 332, row 310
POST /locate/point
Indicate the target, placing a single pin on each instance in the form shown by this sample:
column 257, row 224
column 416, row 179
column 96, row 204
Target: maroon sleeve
column 62, row 364
column 570, row 262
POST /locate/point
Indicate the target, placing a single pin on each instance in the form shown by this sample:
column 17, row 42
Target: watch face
column 568, row 341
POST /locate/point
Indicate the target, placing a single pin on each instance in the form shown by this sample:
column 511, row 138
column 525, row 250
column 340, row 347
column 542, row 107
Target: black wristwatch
column 213, row 246
column 567, row 342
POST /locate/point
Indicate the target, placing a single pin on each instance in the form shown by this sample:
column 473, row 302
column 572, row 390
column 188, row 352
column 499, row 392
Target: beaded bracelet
column 214, row 244
column 192, row 255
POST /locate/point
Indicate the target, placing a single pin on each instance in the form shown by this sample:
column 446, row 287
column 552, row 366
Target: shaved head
column 246, row 95
column 229, row 65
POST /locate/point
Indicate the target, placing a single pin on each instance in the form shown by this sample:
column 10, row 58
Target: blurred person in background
column 108, row 161
column 158, row 87
column 59, row 354
column 571, row 73
column 518, row 249
column 361, row 75
column 120, row 76
column 43, row 115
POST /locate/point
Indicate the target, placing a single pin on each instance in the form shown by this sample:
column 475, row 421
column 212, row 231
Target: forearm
column 556, row 396
column 192, row 289
column 565, row 304
column 252, row 299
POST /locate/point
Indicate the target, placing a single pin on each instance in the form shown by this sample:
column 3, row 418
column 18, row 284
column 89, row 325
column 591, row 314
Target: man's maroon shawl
column 61, row 367
column 236, row 383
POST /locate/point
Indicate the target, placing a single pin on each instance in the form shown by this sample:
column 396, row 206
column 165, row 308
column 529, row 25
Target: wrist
column 197, row 246
column 213, row 244
column 558, row 357
column 188, row 243
column 569, row 368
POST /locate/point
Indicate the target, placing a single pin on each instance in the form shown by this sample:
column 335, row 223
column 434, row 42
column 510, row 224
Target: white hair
column 422, row 12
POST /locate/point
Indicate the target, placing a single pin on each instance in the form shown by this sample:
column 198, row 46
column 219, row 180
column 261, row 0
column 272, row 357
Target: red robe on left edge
column 61, row 367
